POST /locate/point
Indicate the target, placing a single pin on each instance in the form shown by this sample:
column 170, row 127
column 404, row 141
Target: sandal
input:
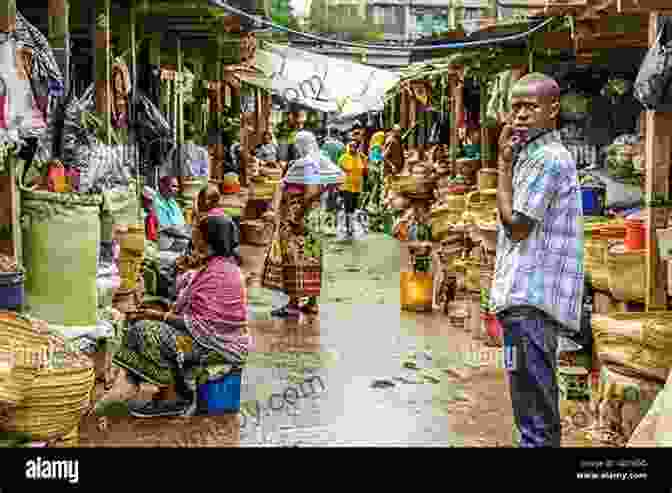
column 285, row 312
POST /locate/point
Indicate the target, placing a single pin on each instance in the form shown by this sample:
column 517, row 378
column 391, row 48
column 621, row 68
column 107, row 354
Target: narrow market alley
column 362, row 349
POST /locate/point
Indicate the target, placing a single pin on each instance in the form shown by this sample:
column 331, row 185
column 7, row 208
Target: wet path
column 359, row 337
column 309, row 382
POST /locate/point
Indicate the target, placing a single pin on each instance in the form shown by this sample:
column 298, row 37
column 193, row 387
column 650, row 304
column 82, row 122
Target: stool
column 220, row 396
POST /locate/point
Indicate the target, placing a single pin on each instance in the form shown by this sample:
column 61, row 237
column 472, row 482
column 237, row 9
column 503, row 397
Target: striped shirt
column 545, row 270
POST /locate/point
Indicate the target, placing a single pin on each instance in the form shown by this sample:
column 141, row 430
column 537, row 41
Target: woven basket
column 69, row 440
column 486, row 276
column 595, row 262
column 55, row 400
column 263, row 190
column 442, row 222
column 472, row 276
column 418, row 187
column 641, row 342
column 257, row 232
column 20, row 333
column 627, row 273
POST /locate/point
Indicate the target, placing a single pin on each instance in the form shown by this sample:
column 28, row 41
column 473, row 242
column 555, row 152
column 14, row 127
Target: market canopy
column 320, row 82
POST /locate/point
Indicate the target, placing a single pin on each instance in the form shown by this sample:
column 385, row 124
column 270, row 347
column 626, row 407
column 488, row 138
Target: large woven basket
column 263, row 190
column 595, row 262
column 256, row 232
column 627, row 273
column 442, row 222
column 641, row 342
column 69, row 440
column 27, row 344
column 418, row 187
column 55, row 400
column 22, row 335
column 472, row 275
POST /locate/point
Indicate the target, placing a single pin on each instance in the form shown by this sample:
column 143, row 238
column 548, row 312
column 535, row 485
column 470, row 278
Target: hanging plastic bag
column 360, row 224
column 653, row 86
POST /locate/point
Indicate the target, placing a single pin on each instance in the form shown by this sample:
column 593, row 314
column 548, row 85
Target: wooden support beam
column 59, row 35
column 7, row 16
column 103, row 63
column 658, row 153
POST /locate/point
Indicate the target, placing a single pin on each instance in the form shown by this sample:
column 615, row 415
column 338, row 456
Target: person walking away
column 297, row 235
column 538, row 282
column 355, row 165
column 334, row 148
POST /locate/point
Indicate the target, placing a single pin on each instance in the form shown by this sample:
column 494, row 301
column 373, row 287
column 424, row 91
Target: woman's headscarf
column 312, row 167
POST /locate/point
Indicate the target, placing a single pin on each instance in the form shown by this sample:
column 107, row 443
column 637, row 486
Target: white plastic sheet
column 321, row 82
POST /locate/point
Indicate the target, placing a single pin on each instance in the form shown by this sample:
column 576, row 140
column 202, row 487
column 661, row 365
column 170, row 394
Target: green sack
column 120, row 207
column 61, row 234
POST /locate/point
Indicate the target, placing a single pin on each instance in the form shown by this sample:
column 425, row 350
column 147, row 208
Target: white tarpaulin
column 323, row 83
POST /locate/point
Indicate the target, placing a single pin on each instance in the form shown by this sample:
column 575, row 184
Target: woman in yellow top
column 355, row 165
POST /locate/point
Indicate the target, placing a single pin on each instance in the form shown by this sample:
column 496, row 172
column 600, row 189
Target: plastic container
column 593, row 201
column 635, row 234
column 12, row 292
column 221, row 396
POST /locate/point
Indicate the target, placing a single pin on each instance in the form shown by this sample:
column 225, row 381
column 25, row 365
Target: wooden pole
column 197, row 63
column 8, row 16
column 9, row 194
column 658, row 152
column 59, row 36
column 102, row 68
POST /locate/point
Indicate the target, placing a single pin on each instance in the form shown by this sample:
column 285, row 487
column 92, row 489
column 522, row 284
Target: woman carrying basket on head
column 294, row 259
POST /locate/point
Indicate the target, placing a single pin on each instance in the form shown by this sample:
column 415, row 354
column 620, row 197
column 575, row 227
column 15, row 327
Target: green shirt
column 168, row 212
column 334, row 149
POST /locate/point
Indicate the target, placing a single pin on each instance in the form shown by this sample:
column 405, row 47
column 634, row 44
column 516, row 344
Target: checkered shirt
column 545, row 270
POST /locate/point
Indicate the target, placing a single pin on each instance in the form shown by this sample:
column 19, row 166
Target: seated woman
column 208, row 326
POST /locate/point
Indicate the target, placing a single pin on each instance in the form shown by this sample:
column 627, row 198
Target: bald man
column 538, row 282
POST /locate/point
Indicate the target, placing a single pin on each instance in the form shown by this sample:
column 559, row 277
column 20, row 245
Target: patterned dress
column 298, row 236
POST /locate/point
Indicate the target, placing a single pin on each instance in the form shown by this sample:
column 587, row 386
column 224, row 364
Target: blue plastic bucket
column 593, row 201
column 11, row 291
column 221, row 396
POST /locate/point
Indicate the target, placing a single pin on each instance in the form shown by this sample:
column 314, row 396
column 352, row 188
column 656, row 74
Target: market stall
column 74, row 239
column 622, row 154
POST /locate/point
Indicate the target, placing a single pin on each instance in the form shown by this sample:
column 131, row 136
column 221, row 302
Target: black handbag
column 652, row 86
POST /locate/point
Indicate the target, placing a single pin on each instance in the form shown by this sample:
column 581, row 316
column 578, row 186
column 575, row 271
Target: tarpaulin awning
column 320, row 82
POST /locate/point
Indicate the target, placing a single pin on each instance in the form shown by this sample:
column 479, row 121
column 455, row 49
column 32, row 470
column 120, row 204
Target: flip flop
column 285, row 312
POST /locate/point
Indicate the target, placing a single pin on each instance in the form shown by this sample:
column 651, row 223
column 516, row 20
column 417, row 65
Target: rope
column 258, row 20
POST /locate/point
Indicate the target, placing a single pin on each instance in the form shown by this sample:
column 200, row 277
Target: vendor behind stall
column 168, row 212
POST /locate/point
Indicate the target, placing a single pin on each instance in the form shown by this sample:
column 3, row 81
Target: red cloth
column 213, row 302
column 152, row 227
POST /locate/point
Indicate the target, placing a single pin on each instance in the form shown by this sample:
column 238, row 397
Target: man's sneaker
column 155, row 409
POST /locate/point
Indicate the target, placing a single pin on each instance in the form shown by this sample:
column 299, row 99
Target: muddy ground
column 359, row 338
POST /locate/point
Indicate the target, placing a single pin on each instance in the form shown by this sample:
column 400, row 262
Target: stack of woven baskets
column 46, row 388
column 258, row 231
column 635, row 351
column 598, row 237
